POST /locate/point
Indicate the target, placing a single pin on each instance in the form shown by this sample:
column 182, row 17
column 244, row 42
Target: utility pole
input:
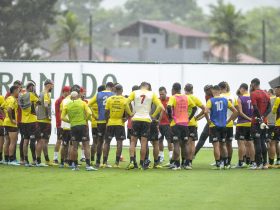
column 263, row 42
column 90, row 39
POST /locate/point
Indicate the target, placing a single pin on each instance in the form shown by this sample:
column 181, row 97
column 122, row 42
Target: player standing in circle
column 141, row 121
column 177, row 109
column 262, row 107
column 217, row 107
column 101, row 98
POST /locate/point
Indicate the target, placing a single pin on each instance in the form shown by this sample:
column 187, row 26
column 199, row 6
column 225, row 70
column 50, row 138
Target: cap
column 66, row 89
column 48, row 81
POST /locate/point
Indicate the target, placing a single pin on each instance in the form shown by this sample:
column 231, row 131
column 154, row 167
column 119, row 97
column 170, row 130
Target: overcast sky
column 245, row 5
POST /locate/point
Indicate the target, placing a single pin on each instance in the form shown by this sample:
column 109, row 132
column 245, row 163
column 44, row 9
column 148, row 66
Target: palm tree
column 229, row 30
column 69, row 32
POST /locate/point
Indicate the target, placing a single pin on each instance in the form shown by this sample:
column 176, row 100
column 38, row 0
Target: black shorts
column 101, row 129
column 141, row 129
column 270, row 132
column 153, row 132
column 276, row 136
column 180, row 133
column 2, row 131
column 217, row 134
column 243, row 133
column 116, row 131
column 257, row 132
column 59, row 133
column 66, row 137
column 193, row 133
column 79, row 133
column 45, row 130
column 94, row 132
column 229, row 134
column 165, row 132
column 9, row 129
column 28, row 130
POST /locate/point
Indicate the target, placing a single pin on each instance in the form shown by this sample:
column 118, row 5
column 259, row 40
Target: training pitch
column 202, row 188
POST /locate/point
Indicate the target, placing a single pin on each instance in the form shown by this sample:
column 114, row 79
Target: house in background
column 162, row 41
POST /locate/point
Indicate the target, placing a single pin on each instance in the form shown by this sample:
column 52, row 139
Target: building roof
column 221, row 53
column 164, row 25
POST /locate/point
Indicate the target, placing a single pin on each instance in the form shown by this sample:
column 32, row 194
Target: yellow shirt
column 117, row 105
column 10, row 103
column 172, row 103
column 94, row 109
column 29, row 115
column 198, row 103
column 2, row 101
column 47, row 99
column 275, row 108
column 209, row 106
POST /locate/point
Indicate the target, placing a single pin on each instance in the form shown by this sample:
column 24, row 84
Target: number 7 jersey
column 143, row 100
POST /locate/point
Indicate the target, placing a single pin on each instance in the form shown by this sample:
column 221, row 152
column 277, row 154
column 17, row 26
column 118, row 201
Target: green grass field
column 202, row 188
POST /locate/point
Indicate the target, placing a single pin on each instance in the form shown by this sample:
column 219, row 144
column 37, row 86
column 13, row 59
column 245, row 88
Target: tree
column 185, row 12
column 69, row 32
column 229, row 29
column 23, row 24
column 254, row 20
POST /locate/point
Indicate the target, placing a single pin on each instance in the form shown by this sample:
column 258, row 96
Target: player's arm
column 268, row 109
column 158, row 105
column 46, row 100
column 202, row 107
column 64, row 117
column 57, row 112
column 2, row 102
column 92, row 101
column 192, row 105
column 276, row 105
column 128, row 109
column 169, row 107
column 130, row 98
column 234, row 112
column 107, row 110
column 88, row 112
column 207, row 111
column 240, row 110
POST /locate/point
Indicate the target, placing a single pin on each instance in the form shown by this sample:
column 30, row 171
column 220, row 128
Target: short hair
column 208, row 87
column 13, row 88
column 109, row 85
column 188, row 87
column 162, row 89
column 118, row 87
column 256, row 82
column 176, row 86
column 271, row 91
column 30, row 83
column 244, row 86
column 135, row 87
column 224, row 86
column 101, row 88
column 17, row 83
column 216, row 87
column 150, row 86
column 76, row 88
column 143, row 84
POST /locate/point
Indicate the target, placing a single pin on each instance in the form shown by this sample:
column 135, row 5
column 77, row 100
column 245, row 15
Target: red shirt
column 164, row 120
column 58, row 112
column 260, row 99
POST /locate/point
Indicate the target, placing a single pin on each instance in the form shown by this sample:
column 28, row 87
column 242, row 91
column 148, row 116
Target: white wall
column 131, row 74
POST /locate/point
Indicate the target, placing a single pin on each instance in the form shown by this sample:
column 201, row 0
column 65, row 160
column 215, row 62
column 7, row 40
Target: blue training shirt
column 218, row 113
column 101, row 103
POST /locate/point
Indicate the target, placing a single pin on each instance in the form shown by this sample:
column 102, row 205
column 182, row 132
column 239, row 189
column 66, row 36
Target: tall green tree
column 23, row 24
column 254, row 19
column 229, row 30
column 185, row 12
column 71, row 33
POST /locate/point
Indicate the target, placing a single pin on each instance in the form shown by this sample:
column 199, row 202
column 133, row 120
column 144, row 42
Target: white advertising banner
column 91, row 75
